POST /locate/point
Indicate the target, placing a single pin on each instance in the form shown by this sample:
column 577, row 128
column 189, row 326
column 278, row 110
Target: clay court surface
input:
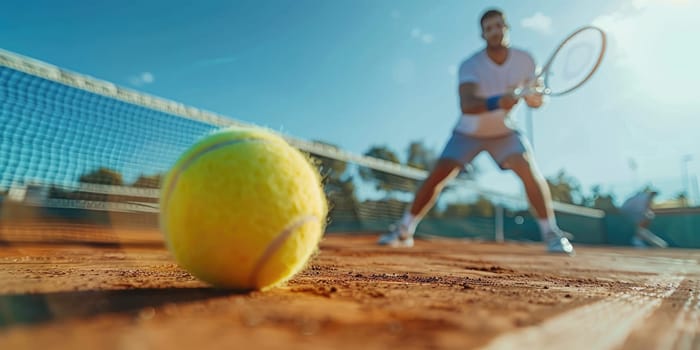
column 353, row 295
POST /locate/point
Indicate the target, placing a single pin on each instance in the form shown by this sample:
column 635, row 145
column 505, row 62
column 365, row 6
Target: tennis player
column 487, row 80
column 638, row 210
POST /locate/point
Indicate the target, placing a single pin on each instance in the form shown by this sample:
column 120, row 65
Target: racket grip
column 520, row 92
column 528, row 90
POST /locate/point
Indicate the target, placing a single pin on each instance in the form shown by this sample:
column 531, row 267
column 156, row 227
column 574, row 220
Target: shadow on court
column 37, row 308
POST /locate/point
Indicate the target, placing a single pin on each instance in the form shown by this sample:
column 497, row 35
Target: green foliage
column 103, row 176
column 602, row 201
column 338, row 185
column 682, row 199
column 565, row 188
column 482, row 207
column 148, row 181
column 383, row 180
column 420, row 157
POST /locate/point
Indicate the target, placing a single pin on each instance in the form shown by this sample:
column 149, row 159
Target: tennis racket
column 571, row 65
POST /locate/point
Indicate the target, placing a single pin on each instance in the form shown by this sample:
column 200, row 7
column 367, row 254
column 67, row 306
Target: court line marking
column 686, row 328
column 602, row 325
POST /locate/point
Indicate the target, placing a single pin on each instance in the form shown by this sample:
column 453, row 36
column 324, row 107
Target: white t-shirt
column 493, row 79
column 637, row 204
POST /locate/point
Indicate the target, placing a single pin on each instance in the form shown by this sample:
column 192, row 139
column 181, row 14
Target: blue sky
column 362, row 72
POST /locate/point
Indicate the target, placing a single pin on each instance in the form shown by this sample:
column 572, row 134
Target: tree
column 565, row 189
column 329, row 167
column 458, row 210
column 103, row 176
column 146, row 181
column 482, row 207
column 682, row 199
column 334, row 174
column 338, row 185
column 600, row 200
column 385, row 181
column 421, row 157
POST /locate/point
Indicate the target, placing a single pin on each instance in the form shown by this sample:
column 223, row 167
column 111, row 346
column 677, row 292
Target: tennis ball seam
column 186, row 164
column 277, row 243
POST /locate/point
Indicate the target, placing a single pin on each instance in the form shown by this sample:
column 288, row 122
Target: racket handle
column 522, row 91
column 529, row 90
column 518, row 93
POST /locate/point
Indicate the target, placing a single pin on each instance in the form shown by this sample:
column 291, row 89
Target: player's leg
column 460, row 149
column 644, row 235
column 444, row 171
column 513, row 152
column 401, row 234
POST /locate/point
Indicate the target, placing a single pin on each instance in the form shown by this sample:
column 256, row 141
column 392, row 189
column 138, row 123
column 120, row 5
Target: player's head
column 494, row 28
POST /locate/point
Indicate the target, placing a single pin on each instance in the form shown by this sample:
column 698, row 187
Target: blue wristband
column 492, row 102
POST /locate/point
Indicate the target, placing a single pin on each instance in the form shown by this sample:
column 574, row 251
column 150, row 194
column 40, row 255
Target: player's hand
column 534, row 100
column 533, row 96
column 508, row 100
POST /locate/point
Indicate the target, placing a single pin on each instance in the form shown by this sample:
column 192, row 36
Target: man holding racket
column 487, row 81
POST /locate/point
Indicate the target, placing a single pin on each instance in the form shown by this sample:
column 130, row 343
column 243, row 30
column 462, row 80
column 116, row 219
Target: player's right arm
column 470, row 103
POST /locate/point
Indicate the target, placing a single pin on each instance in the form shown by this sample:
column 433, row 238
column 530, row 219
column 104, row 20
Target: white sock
column 547, row 225
column 410, row 221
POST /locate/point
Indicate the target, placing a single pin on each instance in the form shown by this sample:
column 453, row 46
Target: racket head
column 574, row 61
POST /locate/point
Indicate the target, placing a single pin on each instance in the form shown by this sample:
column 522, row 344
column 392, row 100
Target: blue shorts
column 639, row 217
column 464, row 148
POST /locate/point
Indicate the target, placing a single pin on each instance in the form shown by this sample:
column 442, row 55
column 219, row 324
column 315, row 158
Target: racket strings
column 575, row 61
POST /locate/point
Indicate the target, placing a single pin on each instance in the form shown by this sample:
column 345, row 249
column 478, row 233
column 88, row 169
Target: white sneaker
column 558, row 243
column 398, row 236
column 567, row 235
column 638, row 243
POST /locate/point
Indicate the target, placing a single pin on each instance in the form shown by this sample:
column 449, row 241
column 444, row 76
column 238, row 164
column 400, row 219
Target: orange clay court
column 442, row 294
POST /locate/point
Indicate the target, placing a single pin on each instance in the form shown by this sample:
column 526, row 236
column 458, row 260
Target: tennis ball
column 242, row 209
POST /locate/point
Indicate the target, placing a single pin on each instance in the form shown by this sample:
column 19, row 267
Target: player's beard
column 503, row 43
column 498, row 40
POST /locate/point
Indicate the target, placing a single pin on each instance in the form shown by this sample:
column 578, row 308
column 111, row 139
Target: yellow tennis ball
column 242, row 209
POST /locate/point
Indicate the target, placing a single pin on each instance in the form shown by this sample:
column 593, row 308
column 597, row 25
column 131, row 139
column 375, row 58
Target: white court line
column 602, row 325
column 687, row 324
